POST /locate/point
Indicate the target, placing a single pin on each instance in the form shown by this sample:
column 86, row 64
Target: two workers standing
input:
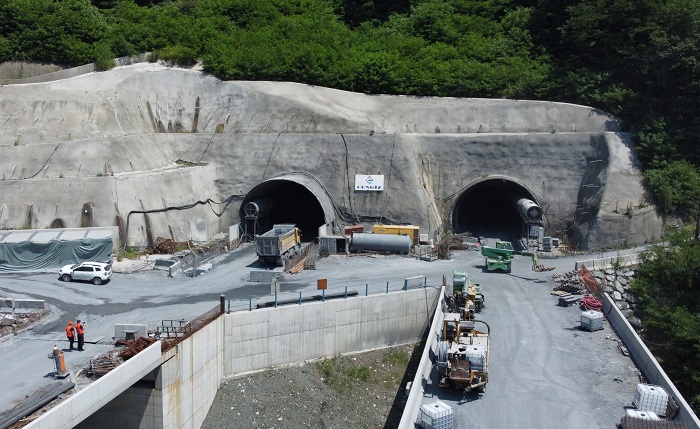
column 72, row 331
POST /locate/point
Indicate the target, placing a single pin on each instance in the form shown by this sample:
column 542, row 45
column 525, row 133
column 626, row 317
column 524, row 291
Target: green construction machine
column 499, row 257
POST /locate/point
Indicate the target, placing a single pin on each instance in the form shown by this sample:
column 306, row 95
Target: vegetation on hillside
column 638, row 59
column 668, row 288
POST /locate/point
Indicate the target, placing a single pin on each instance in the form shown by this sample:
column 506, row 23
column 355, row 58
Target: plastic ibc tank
column 591, row 320
column 649, row 397
column 437, row 415
column 381, row 243
column 644, row 415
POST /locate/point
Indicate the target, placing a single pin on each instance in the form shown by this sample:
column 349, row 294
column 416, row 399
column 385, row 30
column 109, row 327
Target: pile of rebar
column 133, row 347
column 102, row 364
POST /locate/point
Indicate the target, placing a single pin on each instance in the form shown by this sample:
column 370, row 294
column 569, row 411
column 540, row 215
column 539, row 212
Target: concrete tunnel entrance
column 488, row 208
column 288, row 199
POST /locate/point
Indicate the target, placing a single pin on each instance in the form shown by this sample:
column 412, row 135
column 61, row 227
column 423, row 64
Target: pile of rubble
column 11, row 323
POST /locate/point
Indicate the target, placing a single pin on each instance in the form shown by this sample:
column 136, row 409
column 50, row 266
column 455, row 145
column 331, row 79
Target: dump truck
column 499, row 257
column 276, row 245
column 463, row 354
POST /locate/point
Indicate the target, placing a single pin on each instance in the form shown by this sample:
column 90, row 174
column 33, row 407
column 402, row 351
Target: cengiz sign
column 369, row 183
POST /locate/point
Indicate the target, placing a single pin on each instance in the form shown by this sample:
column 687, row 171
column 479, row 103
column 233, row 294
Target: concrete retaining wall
column 88, row 401
column 190, row 377
column 607, row 263
column 425, row 368
column 646, row 362
column 278, row 336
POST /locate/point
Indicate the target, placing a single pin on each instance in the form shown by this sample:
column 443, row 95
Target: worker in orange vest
column 70, row 333
column 80, row 330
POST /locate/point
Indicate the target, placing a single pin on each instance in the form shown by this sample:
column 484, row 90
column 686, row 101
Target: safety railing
column 334, row 290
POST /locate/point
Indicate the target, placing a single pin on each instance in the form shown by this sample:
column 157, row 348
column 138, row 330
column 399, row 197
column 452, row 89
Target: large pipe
column 381, row 243
column 529, row 210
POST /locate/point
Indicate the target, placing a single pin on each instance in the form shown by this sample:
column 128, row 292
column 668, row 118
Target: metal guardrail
column 341, row 290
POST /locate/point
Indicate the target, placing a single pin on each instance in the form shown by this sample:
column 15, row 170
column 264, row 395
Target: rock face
column 149, row 153
column 618, row 285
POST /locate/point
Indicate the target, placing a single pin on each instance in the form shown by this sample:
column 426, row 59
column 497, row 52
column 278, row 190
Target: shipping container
column 410, row 230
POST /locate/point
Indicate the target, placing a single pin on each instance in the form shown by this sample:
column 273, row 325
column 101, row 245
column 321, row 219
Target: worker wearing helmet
column 80, row 330
column 70, row 334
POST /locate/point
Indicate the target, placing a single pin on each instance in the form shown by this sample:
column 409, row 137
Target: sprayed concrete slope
column 88, row 150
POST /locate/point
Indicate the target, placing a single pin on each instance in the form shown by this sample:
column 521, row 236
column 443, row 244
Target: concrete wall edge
column 646, row 361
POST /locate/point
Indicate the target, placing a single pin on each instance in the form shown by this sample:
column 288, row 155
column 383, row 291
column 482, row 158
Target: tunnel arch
column 486, row 207
column 296, row 198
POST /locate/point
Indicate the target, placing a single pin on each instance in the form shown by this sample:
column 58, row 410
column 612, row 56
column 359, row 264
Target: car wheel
column 97, row 281
column 66, row 278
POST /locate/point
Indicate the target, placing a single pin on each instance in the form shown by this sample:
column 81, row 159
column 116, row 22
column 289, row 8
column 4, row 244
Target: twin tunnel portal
column 491, row 207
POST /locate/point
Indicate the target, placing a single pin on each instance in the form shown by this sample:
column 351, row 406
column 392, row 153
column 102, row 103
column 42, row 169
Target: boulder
column 7, row 321
column 617, row 296
column 635, row 322
column 622, row 305
column 618, row 287
column 626, row 313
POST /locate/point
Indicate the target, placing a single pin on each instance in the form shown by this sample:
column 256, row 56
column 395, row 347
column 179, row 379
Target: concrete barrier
column 119, row 334
column 607, row 263
column 28, row 305
column 425, row 368
column 264, row 276
column 646, row 362
column 175, row 270
column 7, row 305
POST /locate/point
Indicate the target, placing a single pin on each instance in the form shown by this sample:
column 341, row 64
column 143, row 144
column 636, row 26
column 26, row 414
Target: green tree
column 668, row 288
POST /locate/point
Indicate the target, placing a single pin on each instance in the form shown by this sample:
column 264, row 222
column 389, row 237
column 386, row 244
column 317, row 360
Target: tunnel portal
column 281, row 201
column 489, row 209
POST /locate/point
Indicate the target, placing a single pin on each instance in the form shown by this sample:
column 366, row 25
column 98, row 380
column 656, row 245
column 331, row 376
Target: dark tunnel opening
column 283, row 201
column 488, row 209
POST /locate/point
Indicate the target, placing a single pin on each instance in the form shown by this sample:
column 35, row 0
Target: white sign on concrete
column 369, row 183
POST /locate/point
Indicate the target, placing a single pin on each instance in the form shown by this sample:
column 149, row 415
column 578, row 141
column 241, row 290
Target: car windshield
column 74, row 266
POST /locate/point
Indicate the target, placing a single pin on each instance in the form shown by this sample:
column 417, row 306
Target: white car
column 95, row 272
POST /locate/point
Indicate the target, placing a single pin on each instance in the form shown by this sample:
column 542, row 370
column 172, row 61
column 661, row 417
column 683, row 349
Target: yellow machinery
column 410, row 230
column 463, row 354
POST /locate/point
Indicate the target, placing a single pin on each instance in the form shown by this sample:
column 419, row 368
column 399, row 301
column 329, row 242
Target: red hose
column 591, row 303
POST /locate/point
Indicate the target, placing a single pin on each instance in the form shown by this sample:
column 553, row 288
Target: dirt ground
column 365, row 390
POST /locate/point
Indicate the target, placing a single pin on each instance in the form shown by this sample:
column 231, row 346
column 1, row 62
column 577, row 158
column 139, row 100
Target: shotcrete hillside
column 167, row 152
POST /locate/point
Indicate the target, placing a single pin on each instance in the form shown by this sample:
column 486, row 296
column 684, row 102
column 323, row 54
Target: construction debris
column 102, row 364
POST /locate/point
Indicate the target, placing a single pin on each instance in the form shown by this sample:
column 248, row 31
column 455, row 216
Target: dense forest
column 637, row 59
